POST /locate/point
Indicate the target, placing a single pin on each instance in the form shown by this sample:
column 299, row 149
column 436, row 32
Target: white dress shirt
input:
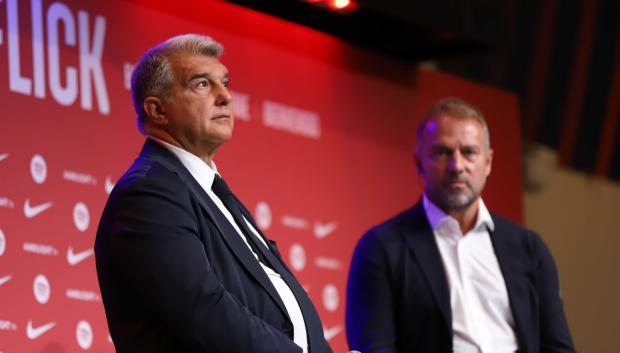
column 481, row 317
column 204, row 175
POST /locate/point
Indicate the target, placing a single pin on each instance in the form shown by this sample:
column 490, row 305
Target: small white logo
column 38, row 169
column 35, row 332
column 33, row 211
column 84, row 335
column 5, row 279
column 41, row 289
column 4, row 156
column 263, row 215
column 297, row 257
column 75, row 258
column 330, row 297
column 81, row 217
column 331, row 332
column 2, row 242
column 321, row 230
column 108, row 185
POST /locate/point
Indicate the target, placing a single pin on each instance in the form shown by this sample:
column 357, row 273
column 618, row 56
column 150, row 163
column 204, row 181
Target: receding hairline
column 453, row 108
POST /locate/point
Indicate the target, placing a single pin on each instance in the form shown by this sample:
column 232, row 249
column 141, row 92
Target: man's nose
column 456, row 163
column 223, row 96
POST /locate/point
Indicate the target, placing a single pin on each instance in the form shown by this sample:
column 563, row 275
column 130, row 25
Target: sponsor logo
column 84, row 334
column 327, row 263
column 4, row 156
column 297, row 257
column 321, row 230
column 80, row 178
column 6, row 325
column 331, row 332
column 2, row 242
column 41, row 289
column 81, row 216
column 38, row 169
column 35, row 332
column 108, row 185
column 291, row 119
column 294, row 222
column 263, row 215
column 75, row 258
column 241, row 104
column 83, row 295
column 33, row 211
column 330, row 297
column 40, row 249
column 6, row 202
column 5, row 279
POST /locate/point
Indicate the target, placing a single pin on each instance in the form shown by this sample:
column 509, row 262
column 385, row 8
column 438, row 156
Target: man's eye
column 225, row 84
column 203, row 84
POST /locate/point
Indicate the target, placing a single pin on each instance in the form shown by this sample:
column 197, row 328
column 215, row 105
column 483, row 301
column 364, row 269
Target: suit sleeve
column 369, row 311
column 555, row 336
column 153, row 241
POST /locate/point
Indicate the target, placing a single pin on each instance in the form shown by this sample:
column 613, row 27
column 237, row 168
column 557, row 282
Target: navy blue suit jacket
column 398, row 297
column 176, row 277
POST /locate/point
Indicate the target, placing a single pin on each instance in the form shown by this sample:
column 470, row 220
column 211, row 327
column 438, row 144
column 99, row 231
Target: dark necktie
column 233, row 205
column 220, row 188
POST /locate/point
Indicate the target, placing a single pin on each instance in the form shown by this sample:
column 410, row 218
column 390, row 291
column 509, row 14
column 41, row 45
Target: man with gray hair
column 447, row 275
column 182, row 265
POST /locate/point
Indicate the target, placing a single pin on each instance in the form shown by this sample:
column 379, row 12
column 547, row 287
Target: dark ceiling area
column 560, row 57
column 410, row 30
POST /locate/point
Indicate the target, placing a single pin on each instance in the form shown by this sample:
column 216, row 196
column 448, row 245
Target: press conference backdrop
column 322, row 150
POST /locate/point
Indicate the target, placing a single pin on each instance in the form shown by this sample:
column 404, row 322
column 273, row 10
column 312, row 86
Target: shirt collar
column 203, row 173
column 437, row 217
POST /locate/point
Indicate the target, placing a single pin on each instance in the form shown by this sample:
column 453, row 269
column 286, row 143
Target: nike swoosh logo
column 332, row 332
column 109, row 185
column 322, row 230
column 35, row 332
column 75, row 258
column 4, row 156
column 32, row 211
column 5, row 279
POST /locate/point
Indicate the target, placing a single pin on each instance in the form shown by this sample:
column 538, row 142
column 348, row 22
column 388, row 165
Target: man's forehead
column 192, row 64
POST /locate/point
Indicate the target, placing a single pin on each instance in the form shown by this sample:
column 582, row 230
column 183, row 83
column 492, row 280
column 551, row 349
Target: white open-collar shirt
column 481, row 317
column 204, row 175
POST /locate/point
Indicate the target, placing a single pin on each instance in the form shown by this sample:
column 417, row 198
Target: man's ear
column 155, row 111
column 418, row 163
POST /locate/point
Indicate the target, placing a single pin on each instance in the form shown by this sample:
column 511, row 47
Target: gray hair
column 456, row 108
column 153, row 75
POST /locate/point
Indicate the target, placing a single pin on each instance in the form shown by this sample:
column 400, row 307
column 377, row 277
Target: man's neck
column 466, row 217
column 206, row 156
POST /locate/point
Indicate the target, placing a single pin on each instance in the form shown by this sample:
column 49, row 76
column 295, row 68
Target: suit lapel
column 240, row 250
column 421, row 240
column 508, row 252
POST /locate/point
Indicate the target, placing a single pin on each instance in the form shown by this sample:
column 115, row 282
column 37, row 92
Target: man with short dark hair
column 447, row 275
column 182, row 265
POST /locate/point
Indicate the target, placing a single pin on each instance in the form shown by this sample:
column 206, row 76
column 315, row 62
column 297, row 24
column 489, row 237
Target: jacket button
column 287, row 327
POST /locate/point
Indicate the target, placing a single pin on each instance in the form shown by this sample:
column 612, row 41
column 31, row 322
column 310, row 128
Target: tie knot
column 220, row 188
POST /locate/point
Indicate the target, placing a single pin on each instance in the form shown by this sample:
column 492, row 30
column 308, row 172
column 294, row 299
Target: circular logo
column 297, row 257
column 330, row 297
column 84, row 334
column 41, row 289
column 38, row 169
column 81, row 217
column 2, row 243
column 263, row 215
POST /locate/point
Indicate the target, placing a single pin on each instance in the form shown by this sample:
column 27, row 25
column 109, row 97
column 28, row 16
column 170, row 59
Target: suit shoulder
column 147, row 172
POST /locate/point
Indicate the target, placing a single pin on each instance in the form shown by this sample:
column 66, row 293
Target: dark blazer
column 176, row 277
column 398, row 297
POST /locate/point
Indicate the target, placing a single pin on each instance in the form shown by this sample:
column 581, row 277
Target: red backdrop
column 322, row 149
